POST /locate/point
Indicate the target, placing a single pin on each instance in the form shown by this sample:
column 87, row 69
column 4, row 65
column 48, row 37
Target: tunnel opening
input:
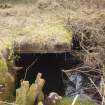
column 49, row 64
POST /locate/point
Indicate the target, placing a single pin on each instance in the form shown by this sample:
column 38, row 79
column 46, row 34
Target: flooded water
column 79, row 83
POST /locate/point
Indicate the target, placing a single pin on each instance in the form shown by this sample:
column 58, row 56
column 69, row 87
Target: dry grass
column 65, row 3
column 86, row 18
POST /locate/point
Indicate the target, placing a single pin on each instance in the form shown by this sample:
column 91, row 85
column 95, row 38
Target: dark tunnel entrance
column 50, row 65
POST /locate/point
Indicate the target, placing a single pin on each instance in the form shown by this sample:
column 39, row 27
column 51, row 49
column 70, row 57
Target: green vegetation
column 3, row 70
column 68, row 101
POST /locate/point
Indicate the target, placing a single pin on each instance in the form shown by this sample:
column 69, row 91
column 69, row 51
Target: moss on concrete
column 46, row 37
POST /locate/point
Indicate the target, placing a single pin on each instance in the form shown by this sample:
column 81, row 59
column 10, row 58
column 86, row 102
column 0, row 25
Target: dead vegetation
column 88, row 43
column 86, row 19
